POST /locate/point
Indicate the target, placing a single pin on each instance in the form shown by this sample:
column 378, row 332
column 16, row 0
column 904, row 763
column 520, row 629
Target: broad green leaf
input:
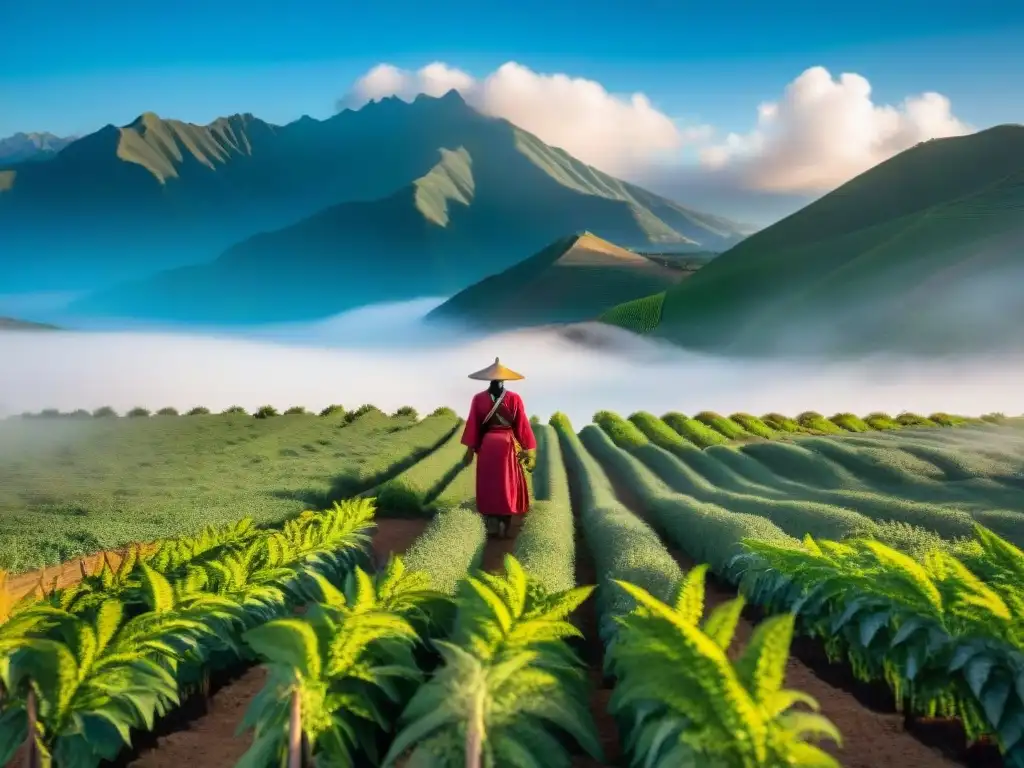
column 721, row 624
column 291, row 642
column 158, row 591
column 762, row 666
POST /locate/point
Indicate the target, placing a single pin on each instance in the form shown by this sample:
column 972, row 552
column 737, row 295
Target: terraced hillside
column 865, row 552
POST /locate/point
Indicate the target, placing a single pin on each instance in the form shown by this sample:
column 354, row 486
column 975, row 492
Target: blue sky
column 70, row 67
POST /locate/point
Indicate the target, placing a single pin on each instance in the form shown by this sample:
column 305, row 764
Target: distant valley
column 242, row 222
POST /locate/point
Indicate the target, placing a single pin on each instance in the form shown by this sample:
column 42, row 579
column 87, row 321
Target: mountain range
column 923, row 253
column 28, row 147
column 241, row 221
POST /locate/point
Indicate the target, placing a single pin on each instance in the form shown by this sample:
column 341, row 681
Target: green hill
column 124, row 203
column 571, row 280
column 922, row 253
column 491, row 193
column 11, row 324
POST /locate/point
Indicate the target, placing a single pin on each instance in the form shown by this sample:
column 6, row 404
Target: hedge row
column 706, row 532
column 450, row 546
column 546, row 546
column 623, row 546
column 411, row 491
column 263, row 412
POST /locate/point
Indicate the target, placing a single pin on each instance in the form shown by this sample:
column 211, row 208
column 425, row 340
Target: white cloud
column 614, row 133
column 822, row 132
column 825, row 131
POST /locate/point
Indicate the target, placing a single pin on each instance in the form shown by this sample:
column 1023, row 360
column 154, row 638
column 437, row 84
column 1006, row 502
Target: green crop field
column 890, row 543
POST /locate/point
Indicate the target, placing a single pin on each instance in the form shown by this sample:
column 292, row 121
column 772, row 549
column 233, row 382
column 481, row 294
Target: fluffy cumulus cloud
column 614, row 133
column 824, row 131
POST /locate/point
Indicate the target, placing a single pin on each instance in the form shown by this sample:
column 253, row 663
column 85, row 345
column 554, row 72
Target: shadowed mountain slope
column 924, row 253
column 125, row 203
column 491, row 193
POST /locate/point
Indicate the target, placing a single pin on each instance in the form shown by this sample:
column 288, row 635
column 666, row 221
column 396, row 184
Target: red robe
column 500, row 482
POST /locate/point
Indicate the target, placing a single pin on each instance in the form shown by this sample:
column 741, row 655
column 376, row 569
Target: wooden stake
column 295, row 732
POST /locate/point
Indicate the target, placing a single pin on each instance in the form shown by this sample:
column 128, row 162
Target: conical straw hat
column 496, row 372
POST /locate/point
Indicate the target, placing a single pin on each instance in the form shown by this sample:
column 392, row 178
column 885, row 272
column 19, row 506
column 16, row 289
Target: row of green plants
column 708, row 428
column 368, row 666
column 412, row 491
column 678, row 698
column 944, row 627
column 263, row 412
column 546, row 544
column 756, row 480
column 84, row 666
column 793, row 516
column 941, row 621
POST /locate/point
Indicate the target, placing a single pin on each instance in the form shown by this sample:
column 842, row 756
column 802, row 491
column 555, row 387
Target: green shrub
column 296, row 410
column 138, row 412
column 79, row 413
column 696, row 432
column 50, row 413
column 881, row 421
column 199, row 410
column 661, row 434
column 622, row 432
column 444, row 410
column 781, row 423
column 362, row 410
column 816, row 423
column 948, row 419
column 407, row 411
column 908, row 419
column 104, row 412
column 235, row 410
column 728, row 429
column 850, row 422
column 754, row 425
column 333, row 410
column 265, row 412
column 994, row 418
column 168, row 411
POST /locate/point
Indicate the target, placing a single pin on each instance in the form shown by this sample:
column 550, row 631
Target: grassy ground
column 70, row 487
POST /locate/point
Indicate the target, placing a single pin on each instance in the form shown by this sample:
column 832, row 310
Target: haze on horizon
column 382, row 356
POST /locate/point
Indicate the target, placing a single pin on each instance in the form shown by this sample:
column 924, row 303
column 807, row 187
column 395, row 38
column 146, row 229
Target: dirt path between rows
column 872, row 738
column 591, row 649
column 208, row 739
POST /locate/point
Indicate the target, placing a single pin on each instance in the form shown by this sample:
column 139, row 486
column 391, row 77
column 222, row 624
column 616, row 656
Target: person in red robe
column 499, row 434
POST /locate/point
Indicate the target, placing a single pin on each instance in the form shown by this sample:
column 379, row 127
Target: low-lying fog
column 384, row 356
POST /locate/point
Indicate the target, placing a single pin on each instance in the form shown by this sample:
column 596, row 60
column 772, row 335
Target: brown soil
column 493, row 560
column 874, row 734
column 203, row 733
column 591, row 649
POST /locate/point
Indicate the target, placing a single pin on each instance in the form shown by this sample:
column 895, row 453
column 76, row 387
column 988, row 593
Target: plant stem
column 475, row 732
column 31, row 749
column 295, row 732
